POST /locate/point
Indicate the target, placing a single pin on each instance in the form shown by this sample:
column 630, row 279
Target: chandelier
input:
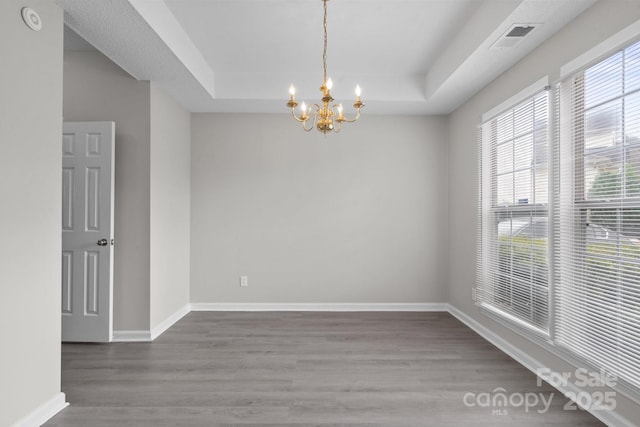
column 328, row 117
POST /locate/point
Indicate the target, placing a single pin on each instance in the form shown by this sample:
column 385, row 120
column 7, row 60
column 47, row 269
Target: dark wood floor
column 302, row 369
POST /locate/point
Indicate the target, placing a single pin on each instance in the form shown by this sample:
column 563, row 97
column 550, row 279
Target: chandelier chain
column 324, row 51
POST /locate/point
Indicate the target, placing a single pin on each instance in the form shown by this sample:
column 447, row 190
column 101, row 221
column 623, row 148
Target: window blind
column 597, row 222
column 513, row 240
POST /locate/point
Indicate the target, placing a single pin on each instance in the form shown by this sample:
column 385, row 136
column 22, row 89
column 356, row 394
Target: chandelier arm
column 344, row 119
column 300, row 119
column 305, row 128
column 313, row 112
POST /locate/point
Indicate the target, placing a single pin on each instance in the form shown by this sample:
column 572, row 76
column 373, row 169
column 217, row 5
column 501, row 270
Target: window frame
column 491, row 213
column 571, row 140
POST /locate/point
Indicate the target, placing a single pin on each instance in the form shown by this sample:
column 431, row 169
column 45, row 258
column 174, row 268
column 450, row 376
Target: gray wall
column 30, row 193
column 97, row 89
column 359, row 216
column 152, row 204
column 170, row 184
column 595, row 25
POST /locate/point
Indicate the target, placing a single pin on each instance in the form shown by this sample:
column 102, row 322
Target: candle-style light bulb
column 292, row 90
column 340, row 109
column 329, row 84
column 303, row 107
column 358, row 91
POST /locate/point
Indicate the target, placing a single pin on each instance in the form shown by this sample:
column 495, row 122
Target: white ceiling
column 409, row 56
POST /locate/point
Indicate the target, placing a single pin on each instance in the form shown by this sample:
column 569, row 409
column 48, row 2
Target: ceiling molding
column 162, row 21
column 410, row 57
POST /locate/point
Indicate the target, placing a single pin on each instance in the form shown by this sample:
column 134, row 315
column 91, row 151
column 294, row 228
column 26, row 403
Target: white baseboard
column 169, row 321
column 131, row 336
column 44, row 412
column 521, row 357
column 232, row 306
column 148, row 336
column 610, row 418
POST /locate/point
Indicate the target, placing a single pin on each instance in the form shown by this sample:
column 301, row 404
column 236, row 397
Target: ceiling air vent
column 513, row 35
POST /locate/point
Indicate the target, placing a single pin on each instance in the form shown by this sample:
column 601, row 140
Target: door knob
column 103, row 242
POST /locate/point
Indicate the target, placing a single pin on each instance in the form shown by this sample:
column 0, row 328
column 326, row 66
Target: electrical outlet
column 473, row 294
column 244, row 281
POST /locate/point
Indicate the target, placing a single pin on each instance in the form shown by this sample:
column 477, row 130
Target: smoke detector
column 513, row 35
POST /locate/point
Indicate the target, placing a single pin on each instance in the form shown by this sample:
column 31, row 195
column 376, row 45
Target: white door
column 87, row 231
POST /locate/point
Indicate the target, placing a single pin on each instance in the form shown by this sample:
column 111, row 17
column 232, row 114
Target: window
column 597, row 260
column 513, row 262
